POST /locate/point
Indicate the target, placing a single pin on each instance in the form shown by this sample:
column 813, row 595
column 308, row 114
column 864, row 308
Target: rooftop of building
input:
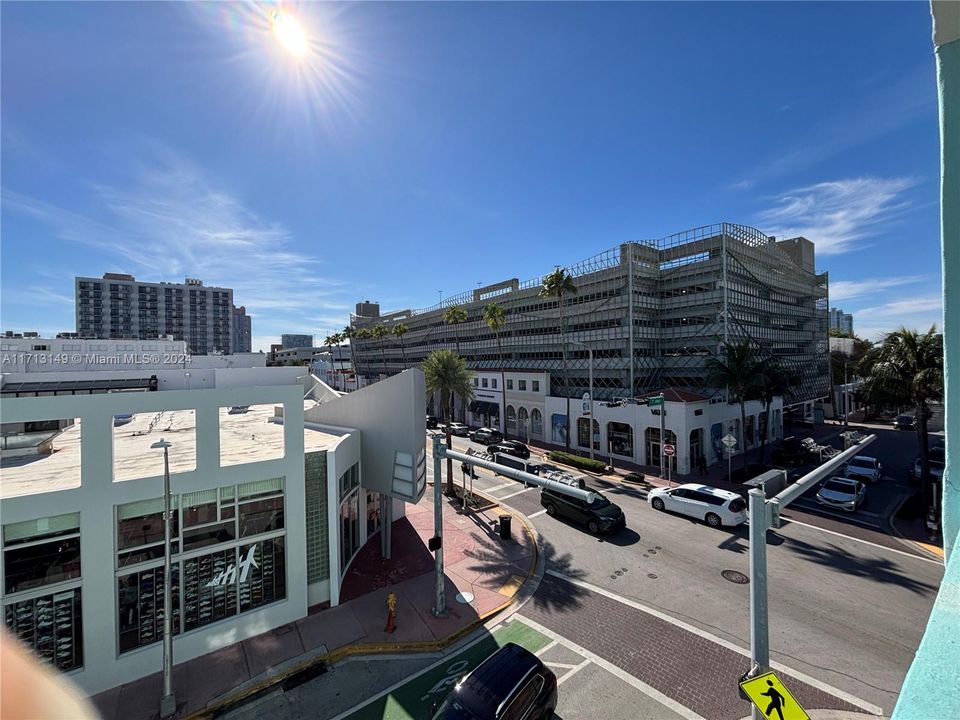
column 245, row 437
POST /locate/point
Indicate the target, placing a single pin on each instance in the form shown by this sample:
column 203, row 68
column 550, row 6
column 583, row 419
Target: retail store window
column 41, row 552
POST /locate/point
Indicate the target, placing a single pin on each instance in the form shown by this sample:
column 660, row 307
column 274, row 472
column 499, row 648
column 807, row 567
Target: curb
column 218, row 706
column 922, row 547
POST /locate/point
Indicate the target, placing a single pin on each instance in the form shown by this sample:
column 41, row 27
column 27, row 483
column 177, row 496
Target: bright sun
column 289, row 32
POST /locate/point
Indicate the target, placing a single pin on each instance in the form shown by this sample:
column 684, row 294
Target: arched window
column 511, row 419
column 522, row 423
column 620, row 439
column 583, row 433
column 536, row 423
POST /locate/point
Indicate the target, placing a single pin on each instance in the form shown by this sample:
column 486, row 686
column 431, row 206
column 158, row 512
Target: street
column 645, row 622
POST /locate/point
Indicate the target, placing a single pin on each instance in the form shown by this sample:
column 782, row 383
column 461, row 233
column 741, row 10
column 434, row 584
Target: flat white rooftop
column 245, row 437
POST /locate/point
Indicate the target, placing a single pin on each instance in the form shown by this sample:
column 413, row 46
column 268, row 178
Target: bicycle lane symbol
column 453, row 673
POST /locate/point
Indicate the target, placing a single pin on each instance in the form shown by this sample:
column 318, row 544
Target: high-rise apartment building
column 652, row 313
column 242, row 330
column 290, row 341
column 120, row 306
column 839, row 320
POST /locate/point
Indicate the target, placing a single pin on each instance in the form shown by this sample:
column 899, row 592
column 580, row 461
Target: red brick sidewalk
column 477, row 563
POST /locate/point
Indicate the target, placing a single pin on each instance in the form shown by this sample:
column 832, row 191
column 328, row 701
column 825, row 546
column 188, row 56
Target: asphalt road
column 842, row 610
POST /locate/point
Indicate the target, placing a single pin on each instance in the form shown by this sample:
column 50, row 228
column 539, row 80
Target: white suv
column 863, row 467
column 714, row 506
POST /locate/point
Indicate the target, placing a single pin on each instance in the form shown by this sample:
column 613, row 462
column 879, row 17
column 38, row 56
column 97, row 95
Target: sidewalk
column 483, row 573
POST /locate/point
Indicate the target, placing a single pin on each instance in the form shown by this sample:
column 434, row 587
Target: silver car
column 843, row 493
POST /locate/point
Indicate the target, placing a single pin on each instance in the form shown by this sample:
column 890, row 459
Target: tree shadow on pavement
column 739, row 540
column 881, row 570
column 490, row 562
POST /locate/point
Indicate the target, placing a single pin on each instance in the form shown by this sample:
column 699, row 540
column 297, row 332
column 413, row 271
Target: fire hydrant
column 391, row 613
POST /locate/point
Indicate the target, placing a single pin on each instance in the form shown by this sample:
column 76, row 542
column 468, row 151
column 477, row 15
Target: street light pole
column 168, row 702
column 590, row 433
column 439, row 604
column 663, row 431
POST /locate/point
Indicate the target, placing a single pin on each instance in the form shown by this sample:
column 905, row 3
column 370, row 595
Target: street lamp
column 590, row 351
column 168, row 703
column 186, row 377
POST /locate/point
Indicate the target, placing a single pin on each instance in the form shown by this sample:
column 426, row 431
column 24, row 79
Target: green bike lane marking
column 414, row 699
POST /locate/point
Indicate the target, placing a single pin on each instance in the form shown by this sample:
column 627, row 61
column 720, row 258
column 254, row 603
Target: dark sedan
column 510, row 447
column 905, row 422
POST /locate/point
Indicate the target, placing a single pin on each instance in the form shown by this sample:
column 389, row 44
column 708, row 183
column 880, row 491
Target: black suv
column 511, row 683
column 790, row 451
column 486, row 435
column 599, row 515
column 510, row 447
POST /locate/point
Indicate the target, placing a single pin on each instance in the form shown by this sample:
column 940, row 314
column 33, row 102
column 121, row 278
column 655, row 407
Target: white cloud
column 172, row 220
column 836, row 215
column 914, row 313
column 846, row 289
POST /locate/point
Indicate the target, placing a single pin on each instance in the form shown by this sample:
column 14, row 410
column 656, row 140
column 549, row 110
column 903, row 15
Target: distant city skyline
column 431, row 147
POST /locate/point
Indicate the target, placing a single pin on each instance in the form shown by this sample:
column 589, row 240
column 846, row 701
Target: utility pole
column 168, row 702
column 663, row 436
column 439, row 605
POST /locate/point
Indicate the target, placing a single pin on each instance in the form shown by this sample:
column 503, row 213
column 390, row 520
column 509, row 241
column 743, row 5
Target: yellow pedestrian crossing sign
column 772, row 698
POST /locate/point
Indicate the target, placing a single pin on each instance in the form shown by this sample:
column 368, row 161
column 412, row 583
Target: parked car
column 714, row 506
column 597, row 513
column 864, row 467
column 239, row 410
column 791, row 451
column 905, row 422
column 432, row 422
column 511, row 683
column 458, row 429
column 510, row 447
column 844, row 493
column 486, row 435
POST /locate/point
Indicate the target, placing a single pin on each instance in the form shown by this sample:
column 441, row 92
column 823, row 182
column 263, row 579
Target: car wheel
column 551, row 509
column 713, row 520
column 657, row 504
column 593, row 527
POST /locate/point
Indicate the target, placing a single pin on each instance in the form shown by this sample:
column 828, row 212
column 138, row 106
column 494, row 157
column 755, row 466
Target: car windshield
column 861, row 462
column 452, row 710
column 599, row 502
column 838, row 486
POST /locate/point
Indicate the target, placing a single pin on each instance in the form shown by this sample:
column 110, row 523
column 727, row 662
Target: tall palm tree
column 557, row 284
column 495, row 316
column 908, row 367
column 400, row 330
column 455, row 315
column 446, row 373
column 773, row 380
column 737, row 369
column 378, row 333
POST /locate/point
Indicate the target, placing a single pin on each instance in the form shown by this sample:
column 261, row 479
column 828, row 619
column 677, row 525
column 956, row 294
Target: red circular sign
column 669, row 450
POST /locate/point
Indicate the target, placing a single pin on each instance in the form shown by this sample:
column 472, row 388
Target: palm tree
column 908, row 368
column 361, row 335
column 379, row 332
column 495, row 316
column 557, row 284
column 400, row 330
column 455, row 315
column 737, row 369
column 773, row 380
column 446, row 373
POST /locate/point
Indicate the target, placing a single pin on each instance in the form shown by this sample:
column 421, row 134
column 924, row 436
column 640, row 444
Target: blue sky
column 428, row 147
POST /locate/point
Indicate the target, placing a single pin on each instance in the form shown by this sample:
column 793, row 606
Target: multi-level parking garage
column 651, row 311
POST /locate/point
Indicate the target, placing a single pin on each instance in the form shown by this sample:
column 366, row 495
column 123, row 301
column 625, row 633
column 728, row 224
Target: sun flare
column 289, row 32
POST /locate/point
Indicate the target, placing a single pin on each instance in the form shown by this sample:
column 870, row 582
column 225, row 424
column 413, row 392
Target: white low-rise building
column 277, row 482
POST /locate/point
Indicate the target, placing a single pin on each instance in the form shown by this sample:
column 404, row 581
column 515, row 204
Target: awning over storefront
column 482, row 407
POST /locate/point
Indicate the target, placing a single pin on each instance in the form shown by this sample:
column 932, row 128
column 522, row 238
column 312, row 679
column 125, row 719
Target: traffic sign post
column 669, row 451
column 730, row 441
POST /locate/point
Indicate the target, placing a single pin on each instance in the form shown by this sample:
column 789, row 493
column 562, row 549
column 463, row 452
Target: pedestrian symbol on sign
column 772, row 698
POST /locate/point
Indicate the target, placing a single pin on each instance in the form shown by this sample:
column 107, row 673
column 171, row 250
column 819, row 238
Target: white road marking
column 537, row 514
column 574, row 669
column 514, row 494
column 852, row 699
column 541, row 651
column 614, row 670
column 865, row 542
column 501, row 487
